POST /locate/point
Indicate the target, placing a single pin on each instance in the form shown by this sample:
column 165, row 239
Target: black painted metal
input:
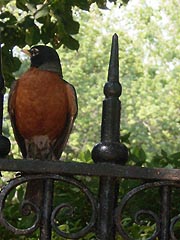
column 174, row 220
column 108, row 194
column 84, row 169
column 110, row 149
column 46, row 217
column 165, row 192
column 45, row 226
column 164, row 223
column 4, row 142
column 110, row 155
column 1, row 91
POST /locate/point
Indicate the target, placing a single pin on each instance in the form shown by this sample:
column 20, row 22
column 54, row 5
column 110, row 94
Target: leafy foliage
column 30, row 22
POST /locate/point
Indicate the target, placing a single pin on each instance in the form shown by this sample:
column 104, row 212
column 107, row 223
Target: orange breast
column 41, row 105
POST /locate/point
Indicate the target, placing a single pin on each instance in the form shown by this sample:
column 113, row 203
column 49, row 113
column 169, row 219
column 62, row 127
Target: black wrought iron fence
column 108, row 214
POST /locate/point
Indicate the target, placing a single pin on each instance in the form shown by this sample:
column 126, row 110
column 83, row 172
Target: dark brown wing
column 11, row 110
column 61, row 141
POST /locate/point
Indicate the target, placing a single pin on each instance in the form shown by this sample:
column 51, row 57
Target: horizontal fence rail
column 84, row 169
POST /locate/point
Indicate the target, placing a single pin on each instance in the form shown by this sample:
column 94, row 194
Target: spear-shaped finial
column 110, row 149
column 113, row 87
column 113, row 72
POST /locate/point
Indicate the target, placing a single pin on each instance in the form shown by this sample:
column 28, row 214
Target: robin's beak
column 27, row 52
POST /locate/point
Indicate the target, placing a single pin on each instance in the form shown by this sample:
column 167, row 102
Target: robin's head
column 44, row 58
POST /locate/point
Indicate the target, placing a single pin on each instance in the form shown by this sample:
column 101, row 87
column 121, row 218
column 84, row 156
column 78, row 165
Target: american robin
column 42, row 108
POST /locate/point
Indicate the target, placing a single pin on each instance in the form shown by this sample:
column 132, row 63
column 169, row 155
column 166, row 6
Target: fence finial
column 113, row 72
column 110, row 149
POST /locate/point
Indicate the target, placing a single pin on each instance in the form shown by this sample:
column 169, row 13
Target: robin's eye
column 34, row 52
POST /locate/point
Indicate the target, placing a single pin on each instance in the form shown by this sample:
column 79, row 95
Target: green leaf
column 21, row 4
column 138, row 155
column 125, row 1
column 142, row 155
column 42, row 12
column 9, row 18
column 3, row 3
column 36, row 2
column 164, row 153
column 32, row 35
column 71, row 43
column 11, row 194
column 101, row 4
column 175, row 156
column 31, row 7
column 20, row 194
column 16, row 64
column 48, row 31
column 27, row 22
column 72, row 27
column 169, row 166
column 83, row 4
column 125, row 138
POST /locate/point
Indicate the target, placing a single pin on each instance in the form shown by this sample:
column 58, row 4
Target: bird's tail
column 33, row 197
column 38, row 148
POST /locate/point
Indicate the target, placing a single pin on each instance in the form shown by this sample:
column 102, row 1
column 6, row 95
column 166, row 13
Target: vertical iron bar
column 165, row 192
column 45, row 228
column 110, row 149
column 1, row 90
column 108, row 193
column 4, row 142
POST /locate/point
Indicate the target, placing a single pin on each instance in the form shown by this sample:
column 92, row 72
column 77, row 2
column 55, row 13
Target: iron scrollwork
column 148, row 213
column 66, row 179
column 174, row 220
